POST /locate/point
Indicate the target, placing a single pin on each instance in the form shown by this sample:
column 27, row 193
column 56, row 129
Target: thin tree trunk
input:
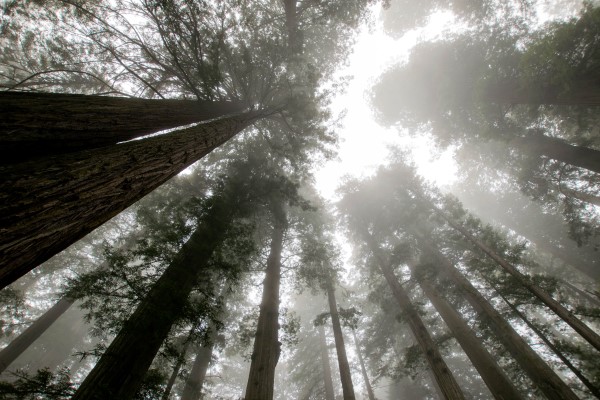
column 16, row 347
column 592, row 337
column 537, row 370
column 291, row 23
column 195, row 380
column 593, row 389
column 442, row 374
column 363, row 369
column 329, row 394
column 582, row 294
column 580, row 93
column 559, row 150
column 267, row 347
column 40, row 124
column 345, row 375
column 579, row 195
column 494, row 377
column 121, row 369
column 177, row 367
column 46, row 206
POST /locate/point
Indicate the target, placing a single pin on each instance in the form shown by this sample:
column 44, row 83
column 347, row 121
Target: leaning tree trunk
column 16, row 347
column 363, row 369
column 267, row 347
column 121, row 369
column 178, row 364
column 442, row 374
column 35, row 125
column 580, row 92
column 193, row 385
column 46, row 206
column 537, row 370
column 582, row 294
column 593, row 389
column 559, row 150
column 494, row 377
column 345, row 375
column 592, row 337
column 327, row 380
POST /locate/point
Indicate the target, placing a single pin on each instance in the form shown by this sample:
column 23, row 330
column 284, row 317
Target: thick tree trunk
column 267, row 347
column 494, row 377
column 442, row 374
column 195, row 380
column 41, row 124
column 579, row 195
column 592, row 337
column 537, row 370
column 291, row 23
column 47, row 205
column 345, row 375
column 11, row 352
column 327, row 380
column 593, row 389
column 559, row 150
column 363, row 369
column 121, row 369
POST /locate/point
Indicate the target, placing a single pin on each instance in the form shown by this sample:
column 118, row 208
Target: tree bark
column 47, row 205
column 345, row 375
column 15, row 348
column 537, row 370
column 559, row 150
column 582, row 294
column 176, row 368
column 442, row 374
column 363, row 369
column 121, row 369
column 267, row 347
column 328, row 382
column 579, row 195
column 195, row 380
column 589, row 335
column 494, row 377
column 593, row 389
column 580, row 93
column 35, row 125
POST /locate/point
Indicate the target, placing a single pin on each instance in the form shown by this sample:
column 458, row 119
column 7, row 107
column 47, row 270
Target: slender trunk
column 41, row 124
column 363, row 369
column 580, row 93
column 582, row 294
column 576, row 262
column 593, row 389
column 579, row 195
column 267, row 347
column 537, row 370
column 177, row 367
column 291, row 23
column 559, row 150
column 328, row 381
column 494, row 377
column 47, row 205
column 345, row 375
column 592, row 337
column 121, row 369
column 15, row 348
column 442, row 374
column 195, row 380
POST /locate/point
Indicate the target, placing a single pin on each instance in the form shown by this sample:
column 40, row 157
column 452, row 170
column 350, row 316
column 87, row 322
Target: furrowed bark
column 35, row 125
column 363, row 369
column 47, row 205
column 22, row 342
column 442, row 374
column 328, row 382
column 345, row 375
column 589, row 335
column 121, row 369
column 537, row 370
column 267, row 347
column 494, row 377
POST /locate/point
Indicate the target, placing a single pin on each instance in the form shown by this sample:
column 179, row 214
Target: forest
column 299, row 199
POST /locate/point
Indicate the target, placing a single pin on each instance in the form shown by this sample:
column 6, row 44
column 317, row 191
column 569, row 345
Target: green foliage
column 41, row 385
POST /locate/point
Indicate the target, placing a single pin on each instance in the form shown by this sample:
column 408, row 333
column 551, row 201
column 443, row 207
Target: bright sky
column 363, row 142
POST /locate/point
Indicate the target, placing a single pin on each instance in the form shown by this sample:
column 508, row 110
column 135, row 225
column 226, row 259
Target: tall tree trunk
column 16, row 347
column 494, row 377
column 580, row 93
column 582, row 294
column 345, row 375
column 291, row 23
column 195, row 380
column 40, row 124
column 47, row 205
column 593, row 389
column 537, row 370
column 363, row 369
column 328, row 381
column 579, row 195
column 442, row 374
column 177, row 367
column 121, row 369
column 267, row 347
column 592, row 337
column 559, row 150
